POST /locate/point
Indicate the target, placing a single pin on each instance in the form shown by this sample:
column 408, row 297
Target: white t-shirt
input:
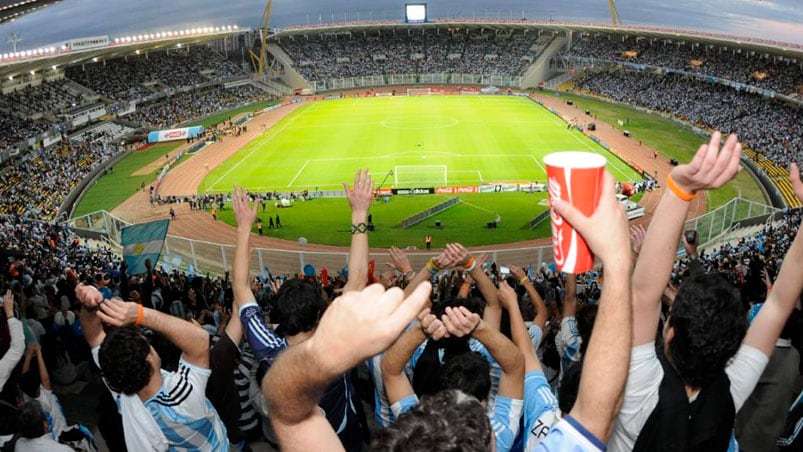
column 141, row 431
column 42, row 444
column 644, row 382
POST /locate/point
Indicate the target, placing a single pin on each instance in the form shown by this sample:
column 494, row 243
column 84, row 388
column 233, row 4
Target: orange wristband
column 139, row 317
column 523, row 279
column 679, row 192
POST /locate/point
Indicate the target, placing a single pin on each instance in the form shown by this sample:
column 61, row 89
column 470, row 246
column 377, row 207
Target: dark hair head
column 467, row 372
column 297, row 307
column 123, row 362
column 586, row 314
column 709, row 325
column 31, row 421
column 449, row 421
column 427, row 369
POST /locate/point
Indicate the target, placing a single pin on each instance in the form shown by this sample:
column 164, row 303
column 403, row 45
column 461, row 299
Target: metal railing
column 216, row 258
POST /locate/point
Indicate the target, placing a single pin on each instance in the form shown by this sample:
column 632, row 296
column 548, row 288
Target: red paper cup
column 575, row 177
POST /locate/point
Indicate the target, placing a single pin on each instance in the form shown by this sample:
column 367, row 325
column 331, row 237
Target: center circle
column 419, row 122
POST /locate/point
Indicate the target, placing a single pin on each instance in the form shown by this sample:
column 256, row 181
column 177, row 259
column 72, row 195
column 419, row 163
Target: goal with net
column 419, row 91
column 412, row 176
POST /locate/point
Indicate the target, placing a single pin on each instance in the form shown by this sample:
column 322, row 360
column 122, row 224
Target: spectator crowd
column 475, row 51
column 782, row 75
column 771, row 128
column 645, row 352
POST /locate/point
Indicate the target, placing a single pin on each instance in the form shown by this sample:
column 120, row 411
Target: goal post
column 419, row 91
column 412, row 176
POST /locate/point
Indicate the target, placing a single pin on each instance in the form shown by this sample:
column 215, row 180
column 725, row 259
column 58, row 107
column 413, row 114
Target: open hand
column 361, row 324
column 117, row 312
column 89, row 296
column 506, row 295
column 244, row 214
column 711, row 166
column 361, row 195
column 797, row 185
column 431, row 325
column 460, row 321
column 399, row 258
column 8, row 303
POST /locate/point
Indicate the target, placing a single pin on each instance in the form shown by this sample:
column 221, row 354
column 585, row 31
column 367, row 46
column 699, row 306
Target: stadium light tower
column 261, row 60
column 616, row 20
column 13, row 40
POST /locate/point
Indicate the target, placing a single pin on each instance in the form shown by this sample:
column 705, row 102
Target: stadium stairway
column 778, row 175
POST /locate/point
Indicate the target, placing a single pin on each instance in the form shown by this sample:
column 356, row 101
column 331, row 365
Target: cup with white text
column 575, row 177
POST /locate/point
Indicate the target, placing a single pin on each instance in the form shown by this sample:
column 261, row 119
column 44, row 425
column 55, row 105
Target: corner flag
column 141, row 242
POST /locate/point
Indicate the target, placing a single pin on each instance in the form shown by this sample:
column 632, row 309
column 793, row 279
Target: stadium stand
column 138, row 76
column 183, row 107
column 325, row 56
column 779, row 74
column 771, row 128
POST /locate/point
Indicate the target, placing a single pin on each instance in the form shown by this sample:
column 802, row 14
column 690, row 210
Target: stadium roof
column 70, row 58
column 788, row 50
column 12, row 9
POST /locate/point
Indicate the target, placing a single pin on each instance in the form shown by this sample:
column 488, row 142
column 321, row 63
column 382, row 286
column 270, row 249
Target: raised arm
column 356, row 326
column 359, row 197
column 90, row 299
column 44, row 376
column 541, row 314
column 461, row 322
column 493, row 311
column 17, row 347
column 192, row 340
column 247, row 315
column 608, row 355
column 245, row 215
column 397, row 385
column 570, row 302
column 785, row 294
column 710, row 168
column 518, row 330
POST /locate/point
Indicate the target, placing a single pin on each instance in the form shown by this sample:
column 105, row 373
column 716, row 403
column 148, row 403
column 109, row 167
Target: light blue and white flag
column 141, row 242
column 171, row 262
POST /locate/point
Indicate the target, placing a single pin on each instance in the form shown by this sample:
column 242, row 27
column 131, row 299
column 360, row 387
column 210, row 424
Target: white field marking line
column 589, row 147
column 538, row 163
column 477, row 207
column 385, row 157
column 297, row 174
column 257, row 146
column 480, row 175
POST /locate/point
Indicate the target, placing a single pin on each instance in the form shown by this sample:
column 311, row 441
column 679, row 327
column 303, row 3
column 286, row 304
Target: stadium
column 453, row 116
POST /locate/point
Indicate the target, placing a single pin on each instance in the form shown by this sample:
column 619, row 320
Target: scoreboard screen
column 415, row 12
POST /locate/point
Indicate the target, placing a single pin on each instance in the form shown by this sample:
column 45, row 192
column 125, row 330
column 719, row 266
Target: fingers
column 410, row 306
column 797, row 185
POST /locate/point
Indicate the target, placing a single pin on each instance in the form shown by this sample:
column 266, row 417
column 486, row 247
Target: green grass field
column 477, row 139
column 112, row 189
column 671, row 139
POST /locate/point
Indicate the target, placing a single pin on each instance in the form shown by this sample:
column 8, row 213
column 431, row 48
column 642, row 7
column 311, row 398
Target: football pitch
column 406, row 142
column 424, row 141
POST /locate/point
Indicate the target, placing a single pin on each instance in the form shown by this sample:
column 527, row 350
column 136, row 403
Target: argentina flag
column 141, row 242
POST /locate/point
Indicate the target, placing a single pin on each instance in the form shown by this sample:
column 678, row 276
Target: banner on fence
column 159, row 136
column 455, row 190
